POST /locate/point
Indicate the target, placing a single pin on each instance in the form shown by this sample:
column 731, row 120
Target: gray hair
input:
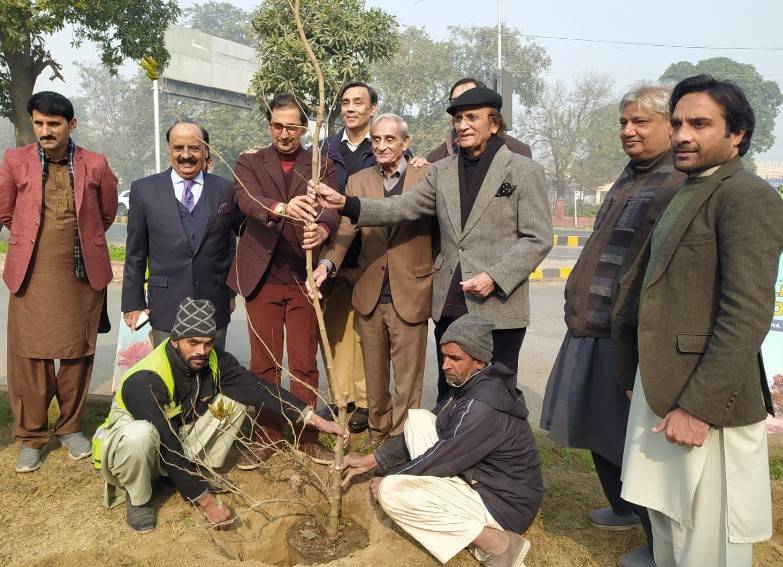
column 652, row 97
column 405, row 132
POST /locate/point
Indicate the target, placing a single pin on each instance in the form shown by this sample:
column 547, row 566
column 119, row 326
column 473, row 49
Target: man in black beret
column 494, row 219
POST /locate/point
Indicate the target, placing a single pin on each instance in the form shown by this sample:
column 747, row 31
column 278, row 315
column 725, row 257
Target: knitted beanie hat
column 473, row 334
column 195, row 318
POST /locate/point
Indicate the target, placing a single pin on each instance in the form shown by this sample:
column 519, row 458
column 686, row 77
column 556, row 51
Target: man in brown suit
column 58, row 200
column 450, row 145
column 269, row 270
column 693, row 311
column 393, row 293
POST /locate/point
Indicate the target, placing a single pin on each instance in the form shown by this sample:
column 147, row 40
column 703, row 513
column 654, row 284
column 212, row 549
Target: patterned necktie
column 187, row 195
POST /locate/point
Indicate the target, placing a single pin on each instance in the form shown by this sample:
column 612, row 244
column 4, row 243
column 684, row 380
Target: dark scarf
column 472, row 171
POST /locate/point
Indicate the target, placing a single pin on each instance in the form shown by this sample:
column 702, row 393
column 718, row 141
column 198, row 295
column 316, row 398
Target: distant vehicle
column 123, row 203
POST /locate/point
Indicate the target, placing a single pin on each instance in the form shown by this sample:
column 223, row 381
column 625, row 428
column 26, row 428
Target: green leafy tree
column 475, row 54
column 345, row 36
column 415, row 82
column 120, row 29
column 764, row 95
column 221, row 19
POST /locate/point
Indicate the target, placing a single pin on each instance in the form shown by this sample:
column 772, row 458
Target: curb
column 550, row 274
column 573, row 241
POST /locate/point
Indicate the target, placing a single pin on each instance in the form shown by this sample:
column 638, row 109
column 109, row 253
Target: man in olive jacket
column 695, row 307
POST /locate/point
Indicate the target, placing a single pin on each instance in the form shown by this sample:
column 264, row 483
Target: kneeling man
column 470, row 472
column 179, row 406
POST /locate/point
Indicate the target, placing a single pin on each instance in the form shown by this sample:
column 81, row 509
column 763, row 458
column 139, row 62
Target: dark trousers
column 506, row 345
column 609, row 475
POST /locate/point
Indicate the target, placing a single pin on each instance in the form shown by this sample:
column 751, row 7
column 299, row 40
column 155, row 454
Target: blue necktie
column 187, row 195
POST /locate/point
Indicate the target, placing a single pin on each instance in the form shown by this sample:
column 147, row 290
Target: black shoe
column 141, row 518
column 329, row 412
column 359, row 420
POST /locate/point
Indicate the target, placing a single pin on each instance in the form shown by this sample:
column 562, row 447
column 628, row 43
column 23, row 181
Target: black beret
column 478, row 96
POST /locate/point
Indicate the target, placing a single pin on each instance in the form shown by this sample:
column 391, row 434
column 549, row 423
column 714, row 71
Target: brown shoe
column 514, row 556
column 317, row 452
column 254, row 457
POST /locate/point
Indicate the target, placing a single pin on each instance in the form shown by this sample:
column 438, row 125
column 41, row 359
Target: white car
column 123, row 203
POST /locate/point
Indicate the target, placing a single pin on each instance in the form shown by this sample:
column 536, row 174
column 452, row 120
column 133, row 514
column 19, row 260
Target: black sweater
column 485, row 439
column 144, row 394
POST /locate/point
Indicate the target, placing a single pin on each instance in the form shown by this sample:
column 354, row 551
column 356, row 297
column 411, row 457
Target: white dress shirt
column 179, row 186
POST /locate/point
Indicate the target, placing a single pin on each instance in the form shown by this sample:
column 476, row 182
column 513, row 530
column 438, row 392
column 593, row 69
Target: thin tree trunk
column 335, row 496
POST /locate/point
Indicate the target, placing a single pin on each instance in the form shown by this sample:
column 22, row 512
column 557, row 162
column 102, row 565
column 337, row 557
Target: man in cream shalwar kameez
column 695, row 449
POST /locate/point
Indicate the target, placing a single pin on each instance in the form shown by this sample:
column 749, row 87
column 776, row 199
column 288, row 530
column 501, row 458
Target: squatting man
column 469, row 473
column 162, row 419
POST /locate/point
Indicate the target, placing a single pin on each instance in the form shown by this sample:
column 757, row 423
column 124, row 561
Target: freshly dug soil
column 308, row 544
column 54, row 517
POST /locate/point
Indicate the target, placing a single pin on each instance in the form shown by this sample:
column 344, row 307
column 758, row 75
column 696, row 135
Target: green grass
column 116, row 253
column 776, row 467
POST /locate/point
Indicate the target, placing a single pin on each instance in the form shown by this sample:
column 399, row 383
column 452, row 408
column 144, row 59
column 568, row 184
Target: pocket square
column 506, row 190
column 224, row 209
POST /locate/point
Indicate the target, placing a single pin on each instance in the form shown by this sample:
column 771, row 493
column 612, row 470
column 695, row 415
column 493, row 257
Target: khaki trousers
column 386, row 337
column 131, row 457
column 342, row 327
column 443, row 514
column 33, row 382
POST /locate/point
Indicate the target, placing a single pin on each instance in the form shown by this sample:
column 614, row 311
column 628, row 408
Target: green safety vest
column 158, row 362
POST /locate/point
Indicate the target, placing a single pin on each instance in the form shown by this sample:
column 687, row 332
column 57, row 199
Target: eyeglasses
column 292, row 129
column 470, row 119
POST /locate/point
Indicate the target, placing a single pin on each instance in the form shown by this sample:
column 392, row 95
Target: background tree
column 764, row 95
column 222, row 19
column 558, row 127
column 115, row 115
column 121, row 29
column 603, row 157
column 345, row 37
column 415, row 81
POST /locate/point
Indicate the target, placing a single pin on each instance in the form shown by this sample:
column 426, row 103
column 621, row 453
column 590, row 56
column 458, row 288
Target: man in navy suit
column 183, row 223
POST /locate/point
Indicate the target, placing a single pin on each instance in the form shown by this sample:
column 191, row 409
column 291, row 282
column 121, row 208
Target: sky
column 707, row 23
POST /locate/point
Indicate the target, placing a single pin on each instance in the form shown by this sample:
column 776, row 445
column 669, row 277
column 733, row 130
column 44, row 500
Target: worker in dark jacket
column 177, row 412
column 470, row 472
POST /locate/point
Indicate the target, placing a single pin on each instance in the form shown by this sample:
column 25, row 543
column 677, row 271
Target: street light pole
column 156, row 118
column 500, row 41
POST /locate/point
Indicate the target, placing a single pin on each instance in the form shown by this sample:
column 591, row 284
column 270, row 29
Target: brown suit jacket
column 699, row 323
column 21, row 197
column 404, row 250
column 260, row 172
column 512, row 144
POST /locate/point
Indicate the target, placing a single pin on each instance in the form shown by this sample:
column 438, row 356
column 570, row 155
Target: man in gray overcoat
column 494, row 220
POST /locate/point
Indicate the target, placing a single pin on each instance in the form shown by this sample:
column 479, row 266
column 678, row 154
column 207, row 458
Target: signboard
column 772, row 353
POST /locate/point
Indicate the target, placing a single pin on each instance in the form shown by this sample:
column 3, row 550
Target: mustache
column 42, row 138
column 190, row 160
column 197, row 359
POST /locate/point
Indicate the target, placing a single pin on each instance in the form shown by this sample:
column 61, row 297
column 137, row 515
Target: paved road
column 537, row 356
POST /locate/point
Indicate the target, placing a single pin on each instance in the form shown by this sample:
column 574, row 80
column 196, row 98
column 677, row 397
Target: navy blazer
column 331, row 148
column 178, row 269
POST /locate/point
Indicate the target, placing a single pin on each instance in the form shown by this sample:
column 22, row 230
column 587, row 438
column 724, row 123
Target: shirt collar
column 346, row 139
column 706, row 172
column 399, row 172
column 175, row 177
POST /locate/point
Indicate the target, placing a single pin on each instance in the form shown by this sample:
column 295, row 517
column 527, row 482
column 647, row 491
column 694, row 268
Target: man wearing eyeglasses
column 270, row 269
column 450, row 145
column 494, row 220
column 182, row 227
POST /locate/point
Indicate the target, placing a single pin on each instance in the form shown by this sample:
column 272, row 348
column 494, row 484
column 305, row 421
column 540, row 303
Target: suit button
column 383, row 268
column 461, row 249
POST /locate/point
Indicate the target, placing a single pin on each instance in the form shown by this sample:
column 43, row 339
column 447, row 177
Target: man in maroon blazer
column 269, row 269
column 57, row 199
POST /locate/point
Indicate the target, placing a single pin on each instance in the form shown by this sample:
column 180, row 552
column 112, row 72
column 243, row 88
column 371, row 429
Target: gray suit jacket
column 506, row 236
